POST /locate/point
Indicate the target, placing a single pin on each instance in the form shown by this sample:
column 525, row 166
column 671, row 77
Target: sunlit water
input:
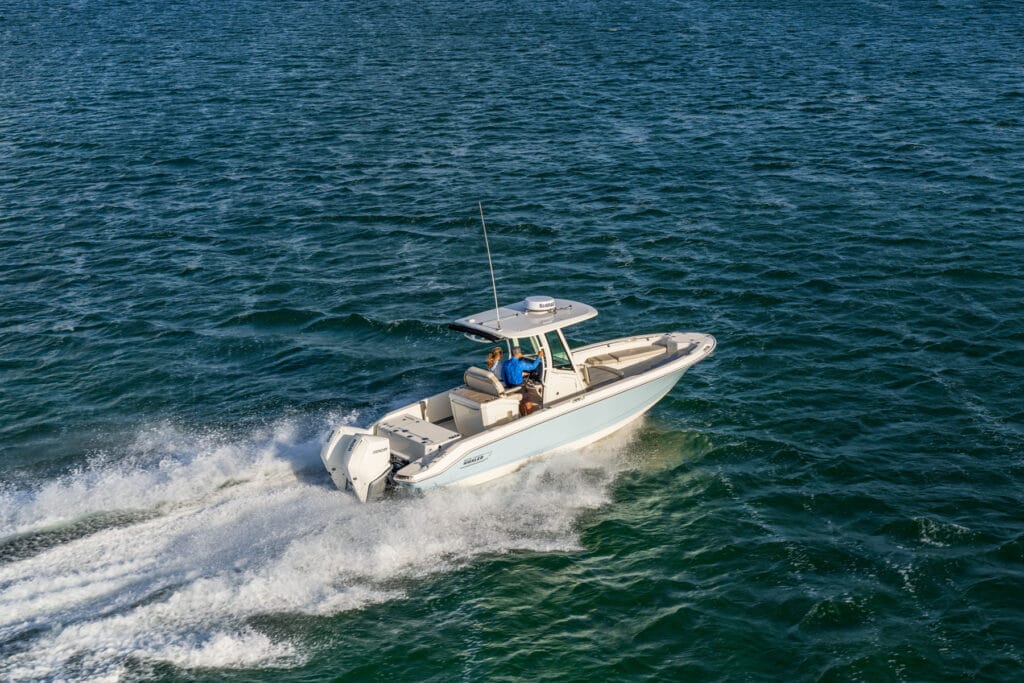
column 225, row 229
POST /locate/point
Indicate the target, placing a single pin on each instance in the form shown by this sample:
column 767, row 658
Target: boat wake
column 168, row 553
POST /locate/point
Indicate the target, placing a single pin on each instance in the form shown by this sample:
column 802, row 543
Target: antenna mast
column 490, row 264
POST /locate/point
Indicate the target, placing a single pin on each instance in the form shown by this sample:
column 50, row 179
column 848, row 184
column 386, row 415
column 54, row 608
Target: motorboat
column 480, row 430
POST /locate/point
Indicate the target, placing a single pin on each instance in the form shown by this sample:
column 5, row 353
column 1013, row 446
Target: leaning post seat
column 480, row 379
column 484, row 402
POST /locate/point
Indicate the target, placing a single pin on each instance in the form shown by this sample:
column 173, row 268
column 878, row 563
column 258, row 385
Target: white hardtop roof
column 517, row 323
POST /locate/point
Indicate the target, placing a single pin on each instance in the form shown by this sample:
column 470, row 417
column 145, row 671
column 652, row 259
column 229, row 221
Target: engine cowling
column 357, row 459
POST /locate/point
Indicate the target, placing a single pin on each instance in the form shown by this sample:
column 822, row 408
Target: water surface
column 226, row 227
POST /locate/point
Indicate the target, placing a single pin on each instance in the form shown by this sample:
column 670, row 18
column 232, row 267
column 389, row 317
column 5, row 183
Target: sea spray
column 247, row 529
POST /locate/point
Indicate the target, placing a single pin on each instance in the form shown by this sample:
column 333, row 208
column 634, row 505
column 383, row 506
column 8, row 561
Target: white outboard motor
column 358, row 459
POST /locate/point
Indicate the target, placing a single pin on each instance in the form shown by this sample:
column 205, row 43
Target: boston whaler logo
column 474, row 459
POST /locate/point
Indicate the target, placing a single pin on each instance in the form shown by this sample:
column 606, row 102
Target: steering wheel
column 537, row 374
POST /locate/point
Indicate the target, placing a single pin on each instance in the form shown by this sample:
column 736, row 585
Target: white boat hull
column 496, row 473
column 432, row 443
column 503, row 450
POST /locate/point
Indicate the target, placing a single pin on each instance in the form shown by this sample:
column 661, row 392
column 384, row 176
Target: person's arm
column 532, row 365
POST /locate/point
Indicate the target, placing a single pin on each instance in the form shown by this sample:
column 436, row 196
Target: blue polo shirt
column 513, row 369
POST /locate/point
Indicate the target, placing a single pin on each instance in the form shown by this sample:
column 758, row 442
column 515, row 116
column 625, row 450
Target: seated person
column 494, row 361
column 516, row 369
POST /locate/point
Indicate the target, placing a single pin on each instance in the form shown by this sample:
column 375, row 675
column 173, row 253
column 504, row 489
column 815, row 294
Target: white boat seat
column 628, row 356
column 639, row 353
column 484, row 381
column 414, row 438
column 472, row 395
column 474, row 411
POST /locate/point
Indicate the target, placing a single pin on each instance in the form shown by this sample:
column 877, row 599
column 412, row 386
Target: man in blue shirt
column 515, row 369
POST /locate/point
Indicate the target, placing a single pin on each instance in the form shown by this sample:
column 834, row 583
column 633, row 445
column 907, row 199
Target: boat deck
column 413, row 438
column 423, row 430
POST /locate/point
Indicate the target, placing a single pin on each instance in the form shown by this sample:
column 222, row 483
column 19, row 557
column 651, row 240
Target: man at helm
column 514, row 373
column 516, row 368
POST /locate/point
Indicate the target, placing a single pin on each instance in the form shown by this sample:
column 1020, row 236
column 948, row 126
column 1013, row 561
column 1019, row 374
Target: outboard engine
column 358, row 459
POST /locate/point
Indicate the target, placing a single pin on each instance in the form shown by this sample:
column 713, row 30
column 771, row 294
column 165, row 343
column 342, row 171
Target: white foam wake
column 244, row 529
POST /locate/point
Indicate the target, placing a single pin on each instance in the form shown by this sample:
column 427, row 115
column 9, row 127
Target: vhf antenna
column 490, row 264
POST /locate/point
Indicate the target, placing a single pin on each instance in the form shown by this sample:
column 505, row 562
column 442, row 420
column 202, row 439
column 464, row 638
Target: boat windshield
column 559, row 354
column 528, row 345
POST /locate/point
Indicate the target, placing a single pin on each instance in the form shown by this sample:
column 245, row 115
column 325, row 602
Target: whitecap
column 247, row 529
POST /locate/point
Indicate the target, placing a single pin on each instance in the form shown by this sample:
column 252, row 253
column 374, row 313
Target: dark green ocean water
column 227, row 226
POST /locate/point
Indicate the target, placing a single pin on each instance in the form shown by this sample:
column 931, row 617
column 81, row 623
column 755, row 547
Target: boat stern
column 359, row 461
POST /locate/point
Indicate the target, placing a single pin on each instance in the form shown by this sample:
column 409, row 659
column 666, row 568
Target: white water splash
column 246, row 529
